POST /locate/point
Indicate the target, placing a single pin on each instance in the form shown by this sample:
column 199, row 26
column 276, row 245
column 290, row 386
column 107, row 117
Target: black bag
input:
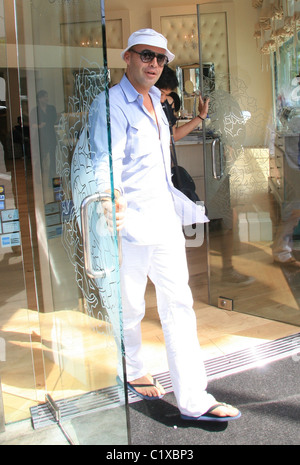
column 183, row 181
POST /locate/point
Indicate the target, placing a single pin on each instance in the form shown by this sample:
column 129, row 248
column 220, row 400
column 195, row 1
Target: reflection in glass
column 19, row 354
column 74, row 336
column 254, row 206
column 101, row 301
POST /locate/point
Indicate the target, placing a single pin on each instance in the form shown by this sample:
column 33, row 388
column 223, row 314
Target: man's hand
column 121, row 206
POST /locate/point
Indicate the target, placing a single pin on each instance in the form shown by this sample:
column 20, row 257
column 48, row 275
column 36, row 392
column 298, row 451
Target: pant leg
column 134, row 275
column 282, row 246
column 169, row 273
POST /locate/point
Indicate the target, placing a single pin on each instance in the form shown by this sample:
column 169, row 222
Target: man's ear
column 127, row 57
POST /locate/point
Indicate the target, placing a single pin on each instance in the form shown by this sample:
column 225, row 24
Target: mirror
column 189, row 87
column 189, row 79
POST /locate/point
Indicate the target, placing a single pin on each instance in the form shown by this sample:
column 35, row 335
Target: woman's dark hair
column 168, row 79
column 176, row 99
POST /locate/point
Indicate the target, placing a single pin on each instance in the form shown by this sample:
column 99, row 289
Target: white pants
column 282, row 246
column 166, row 266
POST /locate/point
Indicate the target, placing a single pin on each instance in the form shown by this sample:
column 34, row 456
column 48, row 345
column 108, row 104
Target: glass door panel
column 76, row 254
column 252, row 195
column 21, row 367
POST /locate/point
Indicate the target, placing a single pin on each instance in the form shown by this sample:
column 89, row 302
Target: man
column 43, row 119
column 153, row 244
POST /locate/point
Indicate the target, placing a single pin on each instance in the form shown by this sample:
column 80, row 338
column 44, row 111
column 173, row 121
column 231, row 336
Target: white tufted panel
column 90, row 32
column 114, row 33
column 179, row 31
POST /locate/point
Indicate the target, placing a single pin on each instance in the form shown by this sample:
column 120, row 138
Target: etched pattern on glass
column 240, row 124
column 100, row 296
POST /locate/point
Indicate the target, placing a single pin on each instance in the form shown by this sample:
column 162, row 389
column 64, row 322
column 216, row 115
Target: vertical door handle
column 93, row 274
column 214, row 158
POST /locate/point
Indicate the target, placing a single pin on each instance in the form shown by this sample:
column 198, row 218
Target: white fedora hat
column 149, row 37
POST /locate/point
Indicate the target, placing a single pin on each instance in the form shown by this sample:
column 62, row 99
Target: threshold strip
column 242, row 360
column 216, row 368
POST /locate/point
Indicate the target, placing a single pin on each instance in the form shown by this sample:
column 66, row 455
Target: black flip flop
column 208, row 416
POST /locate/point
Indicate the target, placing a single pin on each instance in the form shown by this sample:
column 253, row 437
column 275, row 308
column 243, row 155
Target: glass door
column 251, row 172
column 61, row 68
column 19, row 325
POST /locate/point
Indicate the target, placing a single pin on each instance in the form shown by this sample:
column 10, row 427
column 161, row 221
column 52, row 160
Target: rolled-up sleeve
column 99, row 143
column 107, row 136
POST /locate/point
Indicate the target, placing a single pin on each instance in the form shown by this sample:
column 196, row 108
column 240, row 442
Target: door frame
column 2, row 417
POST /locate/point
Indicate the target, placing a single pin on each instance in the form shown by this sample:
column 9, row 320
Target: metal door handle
column 214, row 163
column 85, row 234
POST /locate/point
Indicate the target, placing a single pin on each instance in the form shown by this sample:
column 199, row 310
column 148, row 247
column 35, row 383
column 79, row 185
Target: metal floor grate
column 216, row 368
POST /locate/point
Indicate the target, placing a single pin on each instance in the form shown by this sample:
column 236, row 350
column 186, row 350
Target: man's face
column 143, row 75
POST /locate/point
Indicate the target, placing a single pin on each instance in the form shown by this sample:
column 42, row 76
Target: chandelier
column 191, row 40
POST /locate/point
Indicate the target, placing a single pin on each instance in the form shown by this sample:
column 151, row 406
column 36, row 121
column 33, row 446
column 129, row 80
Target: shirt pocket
column 143, row 140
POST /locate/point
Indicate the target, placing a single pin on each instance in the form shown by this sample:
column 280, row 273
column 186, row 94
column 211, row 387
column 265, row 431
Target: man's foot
column 219, row 412
column 224, row 410
column 291, row 263
column 230, row 275
column 147, row 387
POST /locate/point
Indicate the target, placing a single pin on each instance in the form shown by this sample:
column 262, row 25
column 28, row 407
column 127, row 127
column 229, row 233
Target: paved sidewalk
column 22, row 434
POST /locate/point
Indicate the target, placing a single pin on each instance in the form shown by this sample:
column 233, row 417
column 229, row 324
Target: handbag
column 181, row 179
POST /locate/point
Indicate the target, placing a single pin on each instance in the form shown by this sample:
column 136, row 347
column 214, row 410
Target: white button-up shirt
column 141, row 164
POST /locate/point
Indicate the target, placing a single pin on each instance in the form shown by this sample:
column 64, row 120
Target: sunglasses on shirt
column 147, row 56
